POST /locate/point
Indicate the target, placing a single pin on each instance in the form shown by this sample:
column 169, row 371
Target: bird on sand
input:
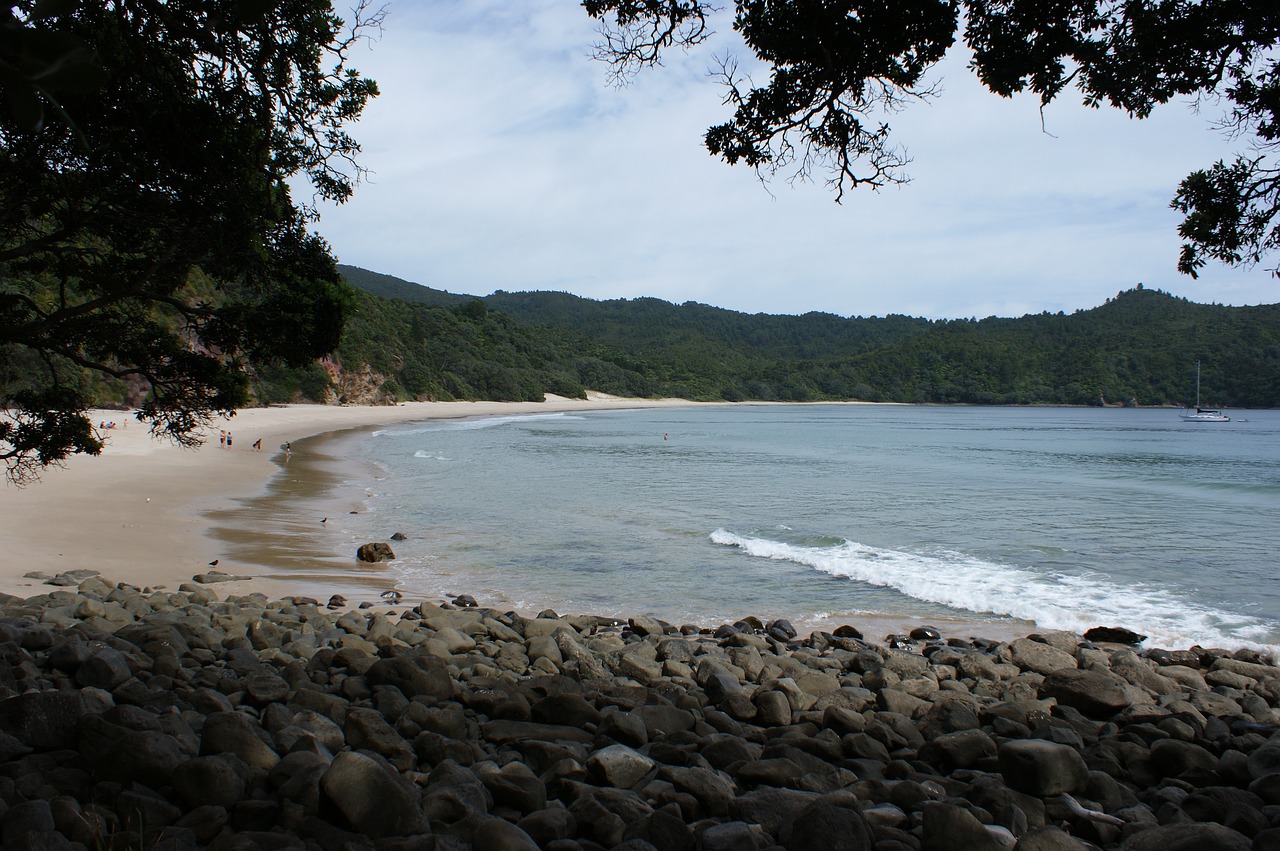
column 213, row 563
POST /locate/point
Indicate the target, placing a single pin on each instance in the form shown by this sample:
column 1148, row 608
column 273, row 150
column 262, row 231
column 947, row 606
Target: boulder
column 1188, row 837
column 1042, row 768
column 824, row 826
column 948, row 827
column 236, row 733
column 1114, row 635
column 618, row 766
column 375, row 552
column 1100, row 694
column 1039, row 657
column 416, row 675
column 373, row 800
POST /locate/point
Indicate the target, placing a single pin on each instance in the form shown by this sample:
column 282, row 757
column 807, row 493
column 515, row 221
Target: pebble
column 153, row 719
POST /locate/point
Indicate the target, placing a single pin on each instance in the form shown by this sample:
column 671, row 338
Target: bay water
column 1050, row 518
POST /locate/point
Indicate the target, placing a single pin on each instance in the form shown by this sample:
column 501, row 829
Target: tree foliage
column 839, row 69
column 147, row 228
column 1140, row 347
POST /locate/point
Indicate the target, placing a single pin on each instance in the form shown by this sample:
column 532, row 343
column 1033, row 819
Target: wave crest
column 1052, row 601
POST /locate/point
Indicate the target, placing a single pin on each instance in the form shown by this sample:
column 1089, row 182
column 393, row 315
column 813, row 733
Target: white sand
column 138, row 512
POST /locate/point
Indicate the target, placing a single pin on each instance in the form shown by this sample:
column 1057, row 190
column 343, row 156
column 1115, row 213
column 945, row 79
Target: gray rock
column 1042, row 658
column 1263, row 762
column 1040, row 768
column 827, row 827
column 1050, row 838
column 566, row 708
column 24, row 819
column 516, row 786
column 455, row 793
column 1187, row 837
column 236, row 733
column 645, row 625
column 495, row 834
column 771, row 808
column 49, row 720
column 665, row 720
column 372, row 799
column 618, row 766
column 729, row 836
column 214, row 780
column 779, row 772
column 549, row 825
column 146, row 756
column 1099, row 694
column 625, row 728
column 961, row 749
column 416, row 675
column 774, row 709
column 713, row 790
column 1172, row 757
column 297, row 779
column 1114, row 635
column 367, row 729
column 948, row 827
column 263, row 688
column 375, row 552
column 502, row 731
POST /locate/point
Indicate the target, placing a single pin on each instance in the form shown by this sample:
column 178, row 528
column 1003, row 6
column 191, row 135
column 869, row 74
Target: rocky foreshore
column 144, row 719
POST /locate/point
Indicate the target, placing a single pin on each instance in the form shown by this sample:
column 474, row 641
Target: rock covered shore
column 140, row 719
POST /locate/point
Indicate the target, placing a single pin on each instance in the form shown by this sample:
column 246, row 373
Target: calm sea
column 1068, row 518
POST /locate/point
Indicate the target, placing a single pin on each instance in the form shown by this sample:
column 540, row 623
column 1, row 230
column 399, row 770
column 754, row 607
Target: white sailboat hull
column 1196, row 415
column 1199, row 414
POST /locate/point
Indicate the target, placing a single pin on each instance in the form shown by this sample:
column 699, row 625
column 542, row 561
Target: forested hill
column 1140, row 347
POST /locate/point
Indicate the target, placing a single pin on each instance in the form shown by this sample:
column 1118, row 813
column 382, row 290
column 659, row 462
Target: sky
column 501, row 157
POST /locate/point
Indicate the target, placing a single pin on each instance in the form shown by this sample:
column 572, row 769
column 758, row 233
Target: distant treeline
column 1141, row 347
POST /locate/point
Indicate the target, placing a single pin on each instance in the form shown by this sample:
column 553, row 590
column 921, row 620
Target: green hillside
column 1140, row 347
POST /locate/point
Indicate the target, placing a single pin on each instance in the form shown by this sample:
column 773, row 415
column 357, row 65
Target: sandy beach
column 141, row 511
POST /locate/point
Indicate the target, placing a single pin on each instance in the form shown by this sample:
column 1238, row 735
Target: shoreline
column 144, row 509
column 155, row 515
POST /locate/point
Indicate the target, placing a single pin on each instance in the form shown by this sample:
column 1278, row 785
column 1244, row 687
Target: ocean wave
column 470, row 424
column 1052, row 601
column 430, row 456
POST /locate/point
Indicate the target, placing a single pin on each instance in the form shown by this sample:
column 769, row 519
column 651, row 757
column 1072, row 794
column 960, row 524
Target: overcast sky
column 501, row 158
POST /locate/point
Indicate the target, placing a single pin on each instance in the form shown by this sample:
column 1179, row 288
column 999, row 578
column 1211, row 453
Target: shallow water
column 1068, row 518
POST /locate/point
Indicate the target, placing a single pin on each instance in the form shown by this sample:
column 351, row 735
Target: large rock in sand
column 375, row 552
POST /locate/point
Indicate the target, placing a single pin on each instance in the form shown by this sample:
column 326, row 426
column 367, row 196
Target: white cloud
column 502, row 159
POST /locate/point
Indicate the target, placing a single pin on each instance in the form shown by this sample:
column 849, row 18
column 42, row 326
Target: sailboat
column 1199, row 414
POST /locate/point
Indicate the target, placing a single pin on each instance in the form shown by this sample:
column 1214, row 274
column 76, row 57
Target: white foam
column 430, row 456
column 1052, row 601
column 471, row 424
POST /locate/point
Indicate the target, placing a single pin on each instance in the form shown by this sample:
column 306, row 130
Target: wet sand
column 146, row 511
column 154, row 514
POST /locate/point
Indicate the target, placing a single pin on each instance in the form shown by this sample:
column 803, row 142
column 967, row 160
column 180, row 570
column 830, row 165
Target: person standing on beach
column 228, row 440
column 222, row 437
